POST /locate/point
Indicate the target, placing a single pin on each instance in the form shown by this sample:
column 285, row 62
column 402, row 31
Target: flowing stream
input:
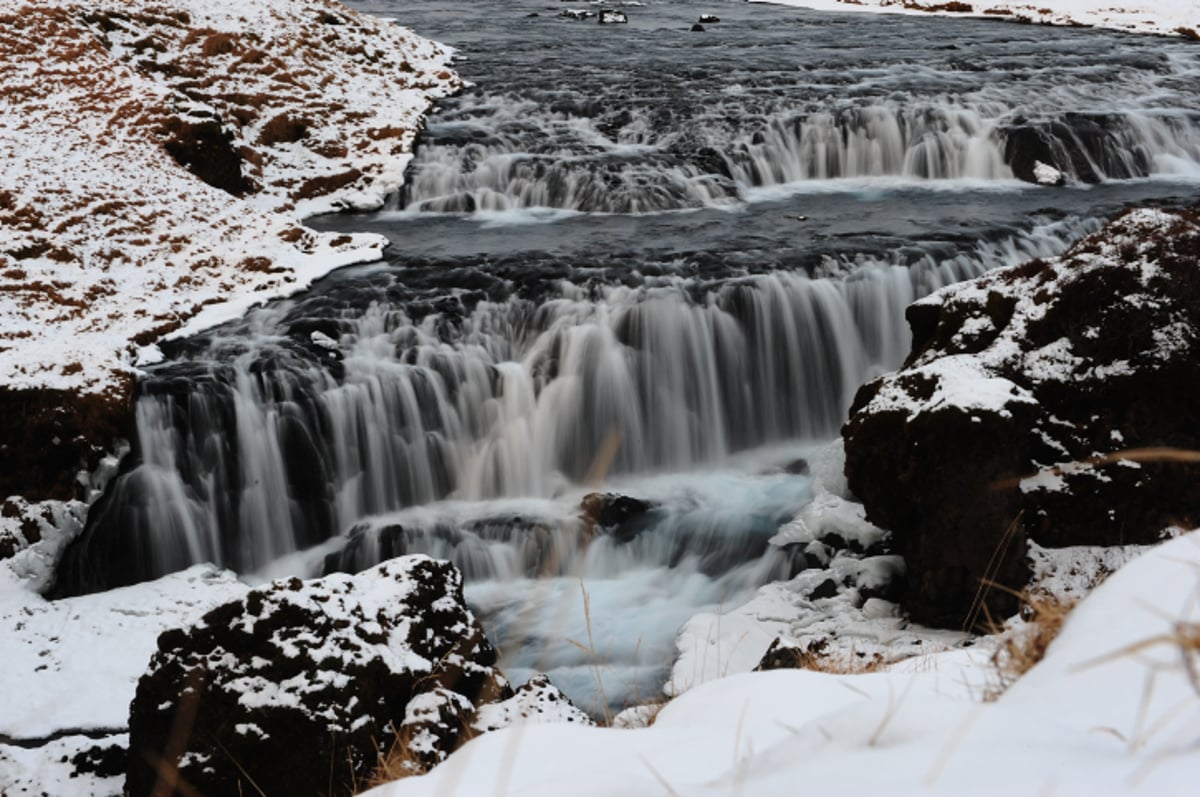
column 639, row 260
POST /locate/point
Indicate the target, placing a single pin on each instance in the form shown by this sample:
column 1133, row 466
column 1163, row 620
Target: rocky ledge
column 1054, row 401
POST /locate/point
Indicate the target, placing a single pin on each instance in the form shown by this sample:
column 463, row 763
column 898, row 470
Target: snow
column 1081, row 722
column 1046, row 174
column 1138, row 16
column 74, row 663
column 107, row 244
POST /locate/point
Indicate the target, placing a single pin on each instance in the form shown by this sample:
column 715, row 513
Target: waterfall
column 263, row 444
column 507, row 160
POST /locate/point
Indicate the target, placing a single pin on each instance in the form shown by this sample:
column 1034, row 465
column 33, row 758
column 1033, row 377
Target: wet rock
column 620, row 515
column 697, row 28
column 709, row 19
column 302, row 683
column 613, row 17
column 1035, row 405
column 826, row 589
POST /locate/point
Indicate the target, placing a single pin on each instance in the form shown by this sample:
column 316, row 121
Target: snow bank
column 1082, row 722
column 1173, row 17
column 107, row 241
column 74, row 663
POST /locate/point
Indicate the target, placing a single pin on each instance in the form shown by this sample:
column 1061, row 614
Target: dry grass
column 1023, row 646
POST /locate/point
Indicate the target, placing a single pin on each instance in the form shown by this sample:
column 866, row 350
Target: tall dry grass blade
column 658, row 776
column 1183, row 456
column 241, row 769
column 605, row 457
column 169, row 780
column 990, row 572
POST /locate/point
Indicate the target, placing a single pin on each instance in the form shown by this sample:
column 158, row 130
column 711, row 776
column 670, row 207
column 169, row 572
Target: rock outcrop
column 300, row 687
column 1052, row 401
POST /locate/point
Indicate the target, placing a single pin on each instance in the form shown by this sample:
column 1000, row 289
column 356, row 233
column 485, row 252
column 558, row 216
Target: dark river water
column 640, row 259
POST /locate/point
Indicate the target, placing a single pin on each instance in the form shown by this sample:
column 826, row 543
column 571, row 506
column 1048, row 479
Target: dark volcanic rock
column 48, row 436
column 619, row 515
column 299, row 687
column 1033, row 406
column 205, row 148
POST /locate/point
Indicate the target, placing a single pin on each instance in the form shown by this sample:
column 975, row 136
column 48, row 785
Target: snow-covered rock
column 538, row 702
column 1045, row 174
column 298, row 680
column 1052, row 401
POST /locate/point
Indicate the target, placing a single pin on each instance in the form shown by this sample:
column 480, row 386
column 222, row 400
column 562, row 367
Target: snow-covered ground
column 1113, row 708
column 70, row 669
column 107, row 244
column 1170, row 17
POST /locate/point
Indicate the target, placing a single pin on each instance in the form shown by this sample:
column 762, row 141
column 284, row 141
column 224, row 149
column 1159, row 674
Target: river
column 638, row 259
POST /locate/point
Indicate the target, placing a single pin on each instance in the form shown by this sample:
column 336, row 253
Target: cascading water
column 463, row 398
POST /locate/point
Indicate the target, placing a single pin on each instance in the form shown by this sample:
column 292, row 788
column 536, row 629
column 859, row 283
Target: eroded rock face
column 301, row 684
column 1025, row 410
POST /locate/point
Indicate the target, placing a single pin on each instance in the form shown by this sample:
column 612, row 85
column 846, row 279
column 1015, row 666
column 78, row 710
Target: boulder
column 619, row 515
column 300, row 687
column 537, row 702
column 1052, row 401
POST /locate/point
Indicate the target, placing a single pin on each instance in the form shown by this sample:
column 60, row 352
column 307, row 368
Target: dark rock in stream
column 1043, row 402
column 306, row 683
column 619, row 515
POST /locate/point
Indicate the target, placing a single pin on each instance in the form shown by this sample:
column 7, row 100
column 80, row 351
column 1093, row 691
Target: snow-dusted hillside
column 107, row 242
column 1172, row 17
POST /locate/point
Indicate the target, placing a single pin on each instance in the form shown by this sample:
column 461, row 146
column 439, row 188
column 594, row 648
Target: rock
column 697, row 28
column 613, row 17
column 537, row 702
column 784, row 654
column 571, row 13
column 302, row 683
column 619, row 515
column 826, row 589
column 709, row 19
column 1025, row 412
column 206, row 149
column 49, row 436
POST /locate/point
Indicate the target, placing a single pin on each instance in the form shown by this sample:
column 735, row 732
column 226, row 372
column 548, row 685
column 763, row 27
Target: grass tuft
column 1025, row 644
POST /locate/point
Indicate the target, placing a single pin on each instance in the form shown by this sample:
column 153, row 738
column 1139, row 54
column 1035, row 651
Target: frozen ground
column 1170, row 17
column 71, row 667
